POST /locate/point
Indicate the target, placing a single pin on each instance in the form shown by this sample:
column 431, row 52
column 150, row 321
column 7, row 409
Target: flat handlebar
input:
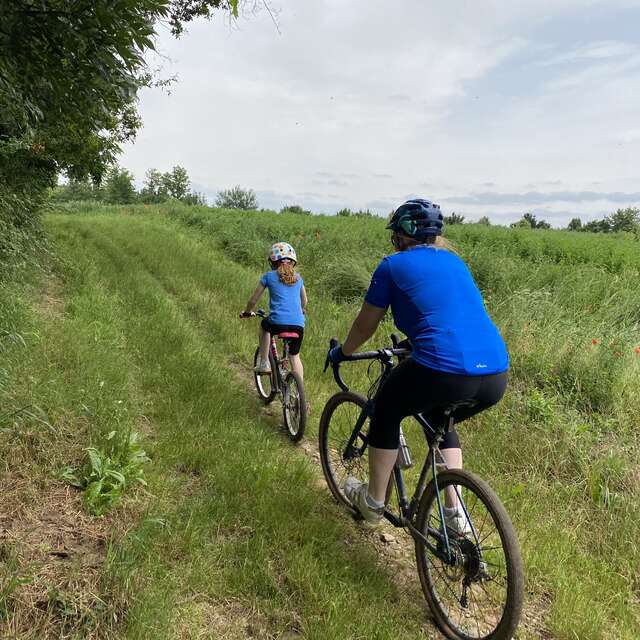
column 261, row 313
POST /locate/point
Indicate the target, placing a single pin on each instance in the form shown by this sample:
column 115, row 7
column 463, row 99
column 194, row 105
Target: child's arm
column 303, row 299
column 253, row 300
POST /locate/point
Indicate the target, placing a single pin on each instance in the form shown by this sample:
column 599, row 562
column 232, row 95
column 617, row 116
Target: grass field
column 234, row 536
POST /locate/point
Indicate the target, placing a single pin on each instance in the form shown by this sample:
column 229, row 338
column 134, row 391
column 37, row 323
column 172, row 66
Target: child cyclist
column 287, row 305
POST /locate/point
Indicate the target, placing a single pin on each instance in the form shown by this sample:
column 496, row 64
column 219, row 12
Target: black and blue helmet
column 417, row 219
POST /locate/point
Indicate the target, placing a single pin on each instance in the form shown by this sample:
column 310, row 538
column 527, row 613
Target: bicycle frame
column 279, row 362
column 276, row 374
column 408, row 508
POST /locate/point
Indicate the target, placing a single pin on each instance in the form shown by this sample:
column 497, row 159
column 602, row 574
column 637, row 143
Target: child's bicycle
column 284, row 382
column 471, row 575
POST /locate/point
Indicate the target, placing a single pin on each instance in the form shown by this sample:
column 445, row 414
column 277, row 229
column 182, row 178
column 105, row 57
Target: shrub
column 237, row 198
column 295, row 208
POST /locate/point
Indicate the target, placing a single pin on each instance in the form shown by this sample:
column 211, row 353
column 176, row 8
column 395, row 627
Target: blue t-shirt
column 437, row 304
column 285, row 305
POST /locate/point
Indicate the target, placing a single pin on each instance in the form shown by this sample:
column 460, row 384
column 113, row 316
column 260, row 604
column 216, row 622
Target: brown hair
column 287, row 272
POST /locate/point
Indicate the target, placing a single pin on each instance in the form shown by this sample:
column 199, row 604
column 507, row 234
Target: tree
column 624, row 220
column 575, row 225
column 529, row 221
column 237, row 198
column 454, row 218
column 176, row 182
column 119, row 187
column 344, row 213
column 154, row 190
column 484, row 220
column 76, row 190
column 597, row 226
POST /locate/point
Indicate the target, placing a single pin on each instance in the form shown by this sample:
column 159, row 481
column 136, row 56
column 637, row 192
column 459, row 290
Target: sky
column 489, row 108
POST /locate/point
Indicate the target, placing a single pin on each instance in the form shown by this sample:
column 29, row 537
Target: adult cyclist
column 457, row 352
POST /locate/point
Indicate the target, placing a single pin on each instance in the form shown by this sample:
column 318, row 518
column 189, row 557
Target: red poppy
column 637, row 350
column 594, row 341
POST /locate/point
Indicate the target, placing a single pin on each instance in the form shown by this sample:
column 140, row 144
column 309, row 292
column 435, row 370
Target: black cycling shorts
column 275, row 329
column 413, row 388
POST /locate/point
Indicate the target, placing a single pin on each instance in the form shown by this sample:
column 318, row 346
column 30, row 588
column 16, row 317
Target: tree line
column 623, row 220
column 118, row 187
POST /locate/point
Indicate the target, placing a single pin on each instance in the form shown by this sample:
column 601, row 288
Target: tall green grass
column 561, row 447
column 237, row 519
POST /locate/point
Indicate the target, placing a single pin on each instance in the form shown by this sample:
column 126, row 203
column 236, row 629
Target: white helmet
column 282, row 250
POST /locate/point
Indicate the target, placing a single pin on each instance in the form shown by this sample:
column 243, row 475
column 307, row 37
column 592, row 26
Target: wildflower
column 594, row 341
column 637, row 350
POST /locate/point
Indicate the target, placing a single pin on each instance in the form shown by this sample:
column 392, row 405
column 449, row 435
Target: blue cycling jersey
column 437, row 304
column 285, row 305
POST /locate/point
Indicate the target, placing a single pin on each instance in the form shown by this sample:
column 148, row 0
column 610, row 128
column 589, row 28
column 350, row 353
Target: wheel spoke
column 472, row 594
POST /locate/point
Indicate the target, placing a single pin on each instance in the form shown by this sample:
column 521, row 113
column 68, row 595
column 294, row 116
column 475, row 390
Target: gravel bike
column 284, row 382
column 472, row 579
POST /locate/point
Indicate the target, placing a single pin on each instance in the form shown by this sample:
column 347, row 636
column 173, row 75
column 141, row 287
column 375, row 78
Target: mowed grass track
column 239, row 540
column 177, row 301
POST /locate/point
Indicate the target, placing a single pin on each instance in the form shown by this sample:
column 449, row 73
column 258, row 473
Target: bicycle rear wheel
column 337, row 425
column 294, row 406
column 480, row 596
column 264, row 383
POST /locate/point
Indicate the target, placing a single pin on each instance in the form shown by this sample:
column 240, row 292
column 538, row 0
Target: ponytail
column 287, row 272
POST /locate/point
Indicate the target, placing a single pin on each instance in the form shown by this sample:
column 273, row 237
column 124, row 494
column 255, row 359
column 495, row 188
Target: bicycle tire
column 514, row 592
column 295, row 418
column 264, row 384
column 333, row 438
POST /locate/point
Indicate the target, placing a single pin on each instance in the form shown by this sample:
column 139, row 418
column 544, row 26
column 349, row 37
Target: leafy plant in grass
column 108, row 470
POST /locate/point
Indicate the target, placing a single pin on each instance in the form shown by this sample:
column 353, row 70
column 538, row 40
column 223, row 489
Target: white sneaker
column 357, row 492
column 456, row 521
column 263, row 367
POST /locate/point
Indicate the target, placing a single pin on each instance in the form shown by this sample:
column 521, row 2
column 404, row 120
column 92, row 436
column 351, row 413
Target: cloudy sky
column 489, row 108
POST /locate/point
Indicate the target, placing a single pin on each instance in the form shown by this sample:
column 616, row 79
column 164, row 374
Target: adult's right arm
column 374, row 307
column 363, row 327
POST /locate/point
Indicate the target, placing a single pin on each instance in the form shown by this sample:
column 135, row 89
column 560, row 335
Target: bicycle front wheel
column 294, row 406
column 337, row 429
column 264, row 383
column 478, row 595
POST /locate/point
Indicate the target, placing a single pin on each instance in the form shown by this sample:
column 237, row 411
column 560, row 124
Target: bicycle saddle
column 288, row 334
